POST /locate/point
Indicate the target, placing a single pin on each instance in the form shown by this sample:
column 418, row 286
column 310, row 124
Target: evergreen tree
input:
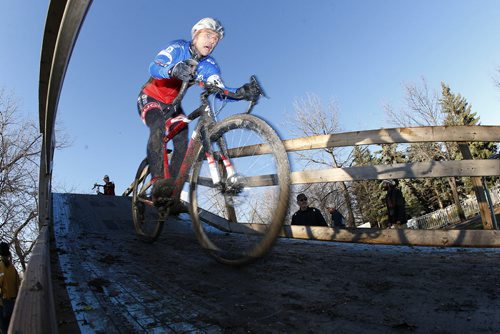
column 459, row 112
column 432, row 193
column 367, row 194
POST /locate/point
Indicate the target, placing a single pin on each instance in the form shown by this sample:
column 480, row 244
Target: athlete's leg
column 155, row 122
column 180, row 142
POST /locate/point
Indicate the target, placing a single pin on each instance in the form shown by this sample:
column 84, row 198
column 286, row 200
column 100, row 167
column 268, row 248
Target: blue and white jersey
column 165, row 88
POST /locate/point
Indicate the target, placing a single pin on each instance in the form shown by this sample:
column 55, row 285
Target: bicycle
column 97, row 189
column 238, row 187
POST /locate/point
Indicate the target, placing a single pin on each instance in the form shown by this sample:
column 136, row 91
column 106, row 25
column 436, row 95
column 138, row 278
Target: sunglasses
column 302, row 200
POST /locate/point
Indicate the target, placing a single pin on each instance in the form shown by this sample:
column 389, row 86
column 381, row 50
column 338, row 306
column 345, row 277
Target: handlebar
column 214, row 89
column 257, row 85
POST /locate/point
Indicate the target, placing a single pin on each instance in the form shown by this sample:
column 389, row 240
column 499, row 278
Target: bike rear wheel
column 148, row 220
column 238, row 220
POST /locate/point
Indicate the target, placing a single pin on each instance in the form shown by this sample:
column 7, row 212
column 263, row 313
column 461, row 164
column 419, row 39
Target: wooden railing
column 34, row 309
column 460, row 134
column 430, row 169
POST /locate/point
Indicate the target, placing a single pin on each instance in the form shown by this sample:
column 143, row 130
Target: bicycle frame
column 191, row 151
column 199, row 137
column 214, row 183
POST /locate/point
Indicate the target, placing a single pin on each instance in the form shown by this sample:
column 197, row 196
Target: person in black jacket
column 307, row 215
column 337, row 219
column 395, row 203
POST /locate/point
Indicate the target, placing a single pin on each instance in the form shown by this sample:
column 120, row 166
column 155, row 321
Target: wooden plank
column 249, row 181
column 381, row 172
column 34, row 311
column 400, row 171
column 436, row 238
column 380, row 136
column 228, row 226
column 396, row 135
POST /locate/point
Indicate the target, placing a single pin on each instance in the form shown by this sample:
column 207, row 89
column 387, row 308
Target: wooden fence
column 429, row 169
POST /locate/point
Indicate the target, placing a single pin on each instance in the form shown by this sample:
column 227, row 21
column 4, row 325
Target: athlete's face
column 205, row 41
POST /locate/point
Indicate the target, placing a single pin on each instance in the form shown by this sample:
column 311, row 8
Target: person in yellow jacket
column 9, row 284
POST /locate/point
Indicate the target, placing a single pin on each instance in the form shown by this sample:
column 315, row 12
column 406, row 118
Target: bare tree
column 20, row 143
column 19, row 151
column 309, row 119
column 423, row 109
column 496, row 78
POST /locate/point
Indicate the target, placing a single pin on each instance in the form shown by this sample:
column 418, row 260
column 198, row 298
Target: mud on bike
column 238, row 179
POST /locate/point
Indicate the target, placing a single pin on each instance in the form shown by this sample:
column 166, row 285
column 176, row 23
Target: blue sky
column 358, row 53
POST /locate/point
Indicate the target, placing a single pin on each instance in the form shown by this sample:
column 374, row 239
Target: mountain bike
column 97, row 188
column 239, row 181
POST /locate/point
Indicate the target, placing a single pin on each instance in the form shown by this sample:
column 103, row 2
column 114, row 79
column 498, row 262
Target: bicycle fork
column 222, row 171
column 214, row 173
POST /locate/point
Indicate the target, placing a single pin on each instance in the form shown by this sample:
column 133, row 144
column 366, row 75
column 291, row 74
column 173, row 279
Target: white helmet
column 208, row 23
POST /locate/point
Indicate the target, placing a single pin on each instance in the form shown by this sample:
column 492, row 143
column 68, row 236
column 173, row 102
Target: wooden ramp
column 108, row 281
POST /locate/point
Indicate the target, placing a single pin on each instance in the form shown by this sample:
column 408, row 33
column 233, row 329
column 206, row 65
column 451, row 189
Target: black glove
column 248, row 92
column 184, row 70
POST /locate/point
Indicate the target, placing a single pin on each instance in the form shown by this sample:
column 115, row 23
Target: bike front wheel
column 148, row 220
column 238, row 219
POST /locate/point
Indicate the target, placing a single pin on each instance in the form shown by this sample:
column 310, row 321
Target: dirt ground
column 117, row 284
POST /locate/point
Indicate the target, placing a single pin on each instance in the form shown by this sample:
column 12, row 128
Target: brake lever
column 254, row 81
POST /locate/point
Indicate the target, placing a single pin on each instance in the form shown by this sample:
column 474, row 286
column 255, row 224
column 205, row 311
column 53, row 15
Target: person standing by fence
column 307, row 215
column 9, row 284
column 337, row 219
column 395, row 203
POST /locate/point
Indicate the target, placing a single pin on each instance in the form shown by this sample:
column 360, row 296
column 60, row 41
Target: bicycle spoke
column 148, row 220
column 251, row 204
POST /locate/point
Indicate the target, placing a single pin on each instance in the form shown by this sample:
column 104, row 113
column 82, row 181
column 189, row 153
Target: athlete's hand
column 184, row 70
column 248, row 92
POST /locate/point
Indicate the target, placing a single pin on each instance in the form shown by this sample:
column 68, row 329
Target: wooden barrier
column 436, row 238
column 400, row 171
column 382, row 136
column 34, row 311
column 409, row 237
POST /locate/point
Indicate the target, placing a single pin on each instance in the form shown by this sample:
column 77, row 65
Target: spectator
column 307, row 215
column 337, row 219
column 9, row 284
column 109, row 187
column 395, row 203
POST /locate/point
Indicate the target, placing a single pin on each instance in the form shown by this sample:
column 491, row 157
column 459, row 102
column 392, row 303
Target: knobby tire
column 148, row 220
column 225, row 222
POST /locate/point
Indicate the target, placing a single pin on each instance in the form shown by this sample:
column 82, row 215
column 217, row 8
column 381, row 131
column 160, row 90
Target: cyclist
column 180, row 61
column 109, row 186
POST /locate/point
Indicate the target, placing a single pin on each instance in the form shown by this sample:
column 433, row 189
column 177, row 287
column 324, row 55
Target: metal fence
column 449, row 215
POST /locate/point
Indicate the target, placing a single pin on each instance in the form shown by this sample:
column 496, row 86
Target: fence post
column 479, row 190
